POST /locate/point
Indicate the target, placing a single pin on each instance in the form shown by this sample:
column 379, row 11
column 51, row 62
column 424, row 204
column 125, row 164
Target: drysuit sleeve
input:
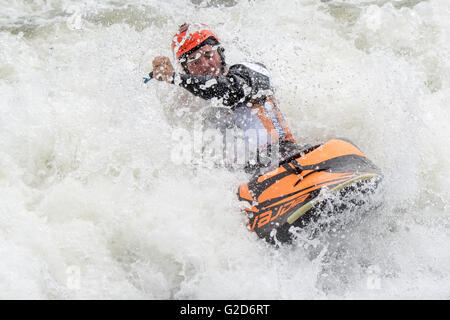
column 241, row 84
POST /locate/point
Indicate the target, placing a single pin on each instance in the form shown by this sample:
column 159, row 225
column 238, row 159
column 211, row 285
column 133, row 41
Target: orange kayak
column 291, row 194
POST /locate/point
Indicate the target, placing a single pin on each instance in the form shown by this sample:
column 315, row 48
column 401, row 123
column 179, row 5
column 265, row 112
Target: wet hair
column 209, row 41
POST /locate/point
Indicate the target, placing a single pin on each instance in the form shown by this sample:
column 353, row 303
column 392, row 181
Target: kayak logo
column 266, row 217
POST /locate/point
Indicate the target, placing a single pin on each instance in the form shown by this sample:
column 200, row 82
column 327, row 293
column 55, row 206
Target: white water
column 91, row 205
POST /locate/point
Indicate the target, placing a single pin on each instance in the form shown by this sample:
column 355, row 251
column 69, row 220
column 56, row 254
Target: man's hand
column 162, row 69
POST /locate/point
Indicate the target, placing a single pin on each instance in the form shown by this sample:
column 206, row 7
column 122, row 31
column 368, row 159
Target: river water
column 92, row 204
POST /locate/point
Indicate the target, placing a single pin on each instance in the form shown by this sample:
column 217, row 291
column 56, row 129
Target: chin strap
column 150, row 77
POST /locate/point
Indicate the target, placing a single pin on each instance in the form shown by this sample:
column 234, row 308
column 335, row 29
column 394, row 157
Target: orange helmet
column 189, row 37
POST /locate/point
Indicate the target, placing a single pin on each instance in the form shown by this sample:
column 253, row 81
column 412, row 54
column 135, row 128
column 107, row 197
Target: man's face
column 205, row 61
